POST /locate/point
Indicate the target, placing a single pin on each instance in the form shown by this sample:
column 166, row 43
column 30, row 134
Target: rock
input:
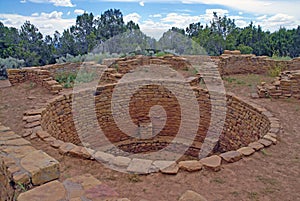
column 56, row 143
column 41, row 166
column 172, row 169
column 212, row 163
column 42, row 134
column 66, row 147
column 80, row 152
column 52, row 191
column 246, row 151
column 231, row 156
column 270, row 138
column 191, row 196
column 34, row 112
column 256, row 146
column 30, row 119
column 33, row 124
column 121, row 161
column 103, row 157
column 162, row 164
column 190, row 166
column 265, row 143
column 139, row 166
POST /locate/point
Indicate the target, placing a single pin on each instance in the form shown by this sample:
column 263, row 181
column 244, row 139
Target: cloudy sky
column 153, row 16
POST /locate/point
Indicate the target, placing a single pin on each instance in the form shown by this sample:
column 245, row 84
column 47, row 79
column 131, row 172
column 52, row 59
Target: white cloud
column 35, row 14
column 156, row 15
column 142, row 3
column 241, row 13
column 69, row 13
column 63, row 3
column 132, row 17
column 78, row 11
column 272, row 23
column 47, row 23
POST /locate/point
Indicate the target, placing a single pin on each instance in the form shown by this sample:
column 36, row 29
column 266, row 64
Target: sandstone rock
column 246, row 151
column 66, row 147
column 265, row 143
column 139, row 166
column 256, row 146
column 33, row 124
column 103, row 157
column 34, row 112
column 190, row 166
column 42, row 134
column 270, row 138
column 80, row 152
column 212, row 163
column 121, row 161
column 191, row 196
column 56, row 143
column 160, row 165
column 231, row 156
column 52, row 191
column 30, row 119
column 41, row 166
column 172, row 169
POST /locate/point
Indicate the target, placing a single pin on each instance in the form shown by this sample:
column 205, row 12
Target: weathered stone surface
column 246, row 151
column 41, row 166
column 190, row 166
column 191, row 196
column 33, row 124
column 30, row 119
column 52, row 191
column 231, row 156
column 14, row 142
column 160, row 165
column 65, row 148
column 18, row 152
column 34, row 112
column 103, row 157
column 212, row 162
column 256, row 146
column 139, row 166
column 56, row 143
column 121, row 161
column 42, row 134
column 80, row 151
column 265, row 143
column 270, row 138
column 172, row 169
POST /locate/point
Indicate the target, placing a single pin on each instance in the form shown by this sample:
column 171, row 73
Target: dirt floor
column 272, row 174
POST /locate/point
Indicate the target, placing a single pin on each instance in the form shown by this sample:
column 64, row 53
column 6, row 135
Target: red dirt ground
column 270, row 175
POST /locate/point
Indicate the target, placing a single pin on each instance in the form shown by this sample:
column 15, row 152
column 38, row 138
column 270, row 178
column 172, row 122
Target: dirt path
column 270, row 175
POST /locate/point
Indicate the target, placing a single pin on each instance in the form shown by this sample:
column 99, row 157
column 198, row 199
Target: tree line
column 89, row 32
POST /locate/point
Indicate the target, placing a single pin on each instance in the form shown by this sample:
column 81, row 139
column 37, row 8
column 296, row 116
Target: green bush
column 9, row 63
column 245, row 49
column 67, row 79
column 275, row 72
column 85, row 58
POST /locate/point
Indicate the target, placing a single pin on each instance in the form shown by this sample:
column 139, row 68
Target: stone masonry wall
column 285, row 86
column 244, row 123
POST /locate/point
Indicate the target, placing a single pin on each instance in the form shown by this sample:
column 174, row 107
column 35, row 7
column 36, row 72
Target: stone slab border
column 141, row 166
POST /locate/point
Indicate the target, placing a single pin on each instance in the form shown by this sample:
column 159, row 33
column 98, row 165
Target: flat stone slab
column 160, row 165
column 192, row 196
column 52, row 191
column 42, row 134
column 265, row 143
column 246, row 151
column 212, row 162
column 190, row 166
column 270, row 138
column 66, row 147
column 172, row 169
column 41, row 166
column 139, row 166
column 231, row 156
column 121, row 161
column 30, row 119
column 256, row 146
column 103, row 157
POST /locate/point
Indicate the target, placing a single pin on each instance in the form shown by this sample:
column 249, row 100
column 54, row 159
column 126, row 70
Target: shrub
column 275, row 71
column 245, row 49
column 9, row 63
column 86, row 57
column 67, row 79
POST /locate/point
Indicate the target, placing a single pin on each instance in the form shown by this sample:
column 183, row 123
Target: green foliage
column 67, row 79
column 245, row 49
column 275, row 71
column 277, row 58
column 9, row 63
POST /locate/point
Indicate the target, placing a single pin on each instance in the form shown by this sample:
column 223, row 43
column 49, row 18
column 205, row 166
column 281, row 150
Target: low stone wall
column 232, row 62
column 22, row 166
column 285, row 86
column 244, row 123
column 37, row 75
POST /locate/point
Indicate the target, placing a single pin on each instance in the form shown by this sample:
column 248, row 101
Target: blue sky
column 153, row 16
